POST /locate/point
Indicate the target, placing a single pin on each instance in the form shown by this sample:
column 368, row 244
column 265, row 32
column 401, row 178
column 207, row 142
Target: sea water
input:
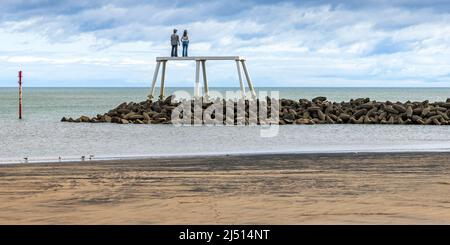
column 40, row 136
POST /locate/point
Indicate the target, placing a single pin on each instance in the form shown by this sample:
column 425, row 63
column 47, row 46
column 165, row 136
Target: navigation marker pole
column 20, row 94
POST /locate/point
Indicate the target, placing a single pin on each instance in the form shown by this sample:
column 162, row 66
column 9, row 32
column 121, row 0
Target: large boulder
column 289, row 117
column 359, row 113
column 146, row 116
column 123, row 111
column 399, row 108
column 168, row 100
column 135, row 117
column 116, row 120
column 344, row 117
column 390, row 109
column 85, row 119
column 409, row 111
column 426, row 111
column 319, row 99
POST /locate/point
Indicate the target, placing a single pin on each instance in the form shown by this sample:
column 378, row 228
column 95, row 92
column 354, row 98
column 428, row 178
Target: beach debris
column 302, row 111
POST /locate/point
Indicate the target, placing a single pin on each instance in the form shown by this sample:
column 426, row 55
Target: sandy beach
column 365, row 188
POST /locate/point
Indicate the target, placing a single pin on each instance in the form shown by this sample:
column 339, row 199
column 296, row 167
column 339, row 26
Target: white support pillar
column 240, row 65
column 155, row 77
column 241, row 84
column 249, row 80
column 205, row 79
column 163, row 78
column 197, row 79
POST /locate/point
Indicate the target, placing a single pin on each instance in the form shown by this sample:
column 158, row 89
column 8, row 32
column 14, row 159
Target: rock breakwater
column 302, row 111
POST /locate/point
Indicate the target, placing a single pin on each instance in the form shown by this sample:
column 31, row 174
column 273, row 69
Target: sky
column 99, row 43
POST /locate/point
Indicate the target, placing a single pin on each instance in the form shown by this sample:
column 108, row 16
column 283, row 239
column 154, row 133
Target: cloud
column 287, row 43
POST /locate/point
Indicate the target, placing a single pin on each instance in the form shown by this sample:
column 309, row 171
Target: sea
column 41, row 137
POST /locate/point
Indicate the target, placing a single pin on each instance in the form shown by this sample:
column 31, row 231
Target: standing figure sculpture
column 175, row 41
column 185, row 42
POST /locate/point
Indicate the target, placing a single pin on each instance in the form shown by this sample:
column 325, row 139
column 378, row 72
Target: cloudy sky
column 287, row 43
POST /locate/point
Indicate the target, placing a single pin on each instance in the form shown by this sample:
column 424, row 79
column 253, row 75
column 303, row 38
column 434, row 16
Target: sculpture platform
column 201, row 58
column 201, row 61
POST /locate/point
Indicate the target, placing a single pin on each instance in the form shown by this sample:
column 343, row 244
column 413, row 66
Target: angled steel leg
column 205, row 79
column 241, row 84
column 249, row 80
column 163, row 77
column 155, row 76
column 197, row 79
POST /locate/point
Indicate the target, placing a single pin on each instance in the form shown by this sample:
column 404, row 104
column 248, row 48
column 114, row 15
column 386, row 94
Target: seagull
column 26, row 159
column 82, row 158
column 90, row 157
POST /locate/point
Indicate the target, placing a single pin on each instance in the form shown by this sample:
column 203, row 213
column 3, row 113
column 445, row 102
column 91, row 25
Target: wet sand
column 369, row 188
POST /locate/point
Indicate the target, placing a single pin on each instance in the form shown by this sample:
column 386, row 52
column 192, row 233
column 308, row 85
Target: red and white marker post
column 20, row 94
